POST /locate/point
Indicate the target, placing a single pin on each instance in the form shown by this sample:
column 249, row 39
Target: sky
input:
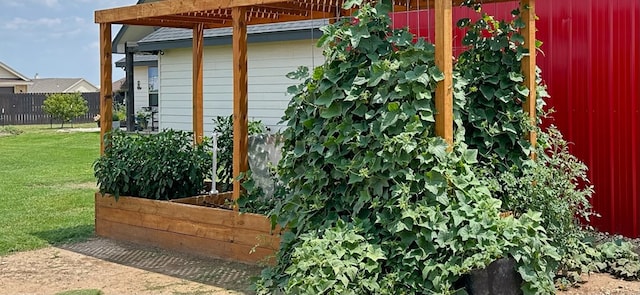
column 54, row 38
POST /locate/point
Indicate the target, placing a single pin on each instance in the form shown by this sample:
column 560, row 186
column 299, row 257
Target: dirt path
column 120, row 268
column 123, row 268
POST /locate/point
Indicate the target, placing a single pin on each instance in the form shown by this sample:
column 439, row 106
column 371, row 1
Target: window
column 153, row 86
column 153, row 80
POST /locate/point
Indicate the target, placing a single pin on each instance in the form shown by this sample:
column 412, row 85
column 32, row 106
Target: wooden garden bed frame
column 186, row 226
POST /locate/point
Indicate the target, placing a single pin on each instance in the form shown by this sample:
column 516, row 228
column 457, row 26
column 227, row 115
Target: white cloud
column 50, row 3
column 22, row 23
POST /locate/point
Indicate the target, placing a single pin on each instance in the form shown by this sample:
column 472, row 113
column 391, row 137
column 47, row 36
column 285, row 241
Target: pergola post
column 444, row 54
column 240, row 98
column 529, row 63
column 198, row 88
column 106, row 94
column 130, row 99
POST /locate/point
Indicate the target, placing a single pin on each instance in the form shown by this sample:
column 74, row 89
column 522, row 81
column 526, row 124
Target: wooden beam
column 106, row 94
column 240, row 98
column 198, row 88
column 529, row 63
column 444, row 55
column 170, row 7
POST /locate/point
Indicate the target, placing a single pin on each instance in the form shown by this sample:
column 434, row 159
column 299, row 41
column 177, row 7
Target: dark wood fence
column 26, row 108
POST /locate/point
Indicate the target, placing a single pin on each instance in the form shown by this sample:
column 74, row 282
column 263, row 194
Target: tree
column 65, row 106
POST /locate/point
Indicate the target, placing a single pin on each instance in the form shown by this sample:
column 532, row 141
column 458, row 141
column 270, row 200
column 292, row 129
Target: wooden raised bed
column 187, row 226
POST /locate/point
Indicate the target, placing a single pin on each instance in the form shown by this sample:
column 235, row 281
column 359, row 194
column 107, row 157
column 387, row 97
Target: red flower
column 486, row 33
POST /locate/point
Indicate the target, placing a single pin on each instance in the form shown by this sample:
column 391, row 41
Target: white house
column 145, row 80
column 273, row 51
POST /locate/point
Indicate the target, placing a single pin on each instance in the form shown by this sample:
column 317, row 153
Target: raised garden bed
column 188, row 225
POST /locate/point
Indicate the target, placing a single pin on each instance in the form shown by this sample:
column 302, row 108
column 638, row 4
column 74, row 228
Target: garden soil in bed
column 125, row 268
column 120, row 268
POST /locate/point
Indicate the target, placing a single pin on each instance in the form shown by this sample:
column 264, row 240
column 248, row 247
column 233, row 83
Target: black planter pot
column 499, row 278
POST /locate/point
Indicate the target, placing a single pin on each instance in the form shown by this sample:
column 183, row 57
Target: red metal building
column 591, row 64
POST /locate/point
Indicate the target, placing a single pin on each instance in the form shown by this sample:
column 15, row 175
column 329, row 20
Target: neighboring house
column 61, row 85
column 273, row 51
column 11, row 81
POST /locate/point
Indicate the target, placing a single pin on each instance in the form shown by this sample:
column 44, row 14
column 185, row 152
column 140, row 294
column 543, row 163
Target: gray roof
column 165, row 38
column 150, row 60
column 53, row 85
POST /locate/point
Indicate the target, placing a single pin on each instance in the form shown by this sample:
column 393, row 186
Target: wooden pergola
column 204, row 14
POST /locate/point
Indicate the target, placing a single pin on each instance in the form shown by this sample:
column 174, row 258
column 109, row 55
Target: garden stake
column 214, row 139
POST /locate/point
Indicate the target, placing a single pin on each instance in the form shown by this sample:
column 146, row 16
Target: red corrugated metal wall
column 591, row 64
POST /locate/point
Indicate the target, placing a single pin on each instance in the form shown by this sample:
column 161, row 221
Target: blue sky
column 54, row 38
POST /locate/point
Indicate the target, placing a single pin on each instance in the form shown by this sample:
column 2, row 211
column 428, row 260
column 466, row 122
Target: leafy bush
column 360, row 150
column 159, row 166
column 556, row 183
column 493, row 116
column 345, row 263
column 619, row 259
column 12, row 130
column 224, row 128
column 65, row 106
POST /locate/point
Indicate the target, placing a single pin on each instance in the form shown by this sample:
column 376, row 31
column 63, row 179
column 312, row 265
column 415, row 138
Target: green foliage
column 360, row 159
column 338, row 260
column 555, row 184
column 119, row 112
column 493, row 117
column 11, row 130
column 159, row 166
column 65, row 106
column 619, row 259
column 224, row 129
column 254, row 200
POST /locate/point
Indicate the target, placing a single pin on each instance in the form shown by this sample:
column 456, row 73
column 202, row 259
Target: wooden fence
column 26, row 109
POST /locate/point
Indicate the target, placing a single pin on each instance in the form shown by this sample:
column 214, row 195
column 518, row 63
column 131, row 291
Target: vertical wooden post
column 198, row 88
column 106, row 94
column 444, row 55
column 240, row 98
column 529, row 63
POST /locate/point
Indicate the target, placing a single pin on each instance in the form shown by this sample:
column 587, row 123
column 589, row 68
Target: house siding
column 141, row 96
column 268, row 63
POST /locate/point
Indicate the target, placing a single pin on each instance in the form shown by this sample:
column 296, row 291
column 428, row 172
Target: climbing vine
column 368, row 181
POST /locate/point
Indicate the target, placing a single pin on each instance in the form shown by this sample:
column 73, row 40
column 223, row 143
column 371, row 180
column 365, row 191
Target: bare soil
column 605, row 285
column 123, row 268
column 120, row 268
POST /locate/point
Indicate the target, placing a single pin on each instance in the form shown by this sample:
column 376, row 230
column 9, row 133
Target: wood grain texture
column 198, row 230
column 240, row 99
column 529, row 63
column 106, row 94
column 198, row 86
column 444, row 61
column 184, row 13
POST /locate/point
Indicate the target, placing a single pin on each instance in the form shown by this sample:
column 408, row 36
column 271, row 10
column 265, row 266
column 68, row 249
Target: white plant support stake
column 214, row 177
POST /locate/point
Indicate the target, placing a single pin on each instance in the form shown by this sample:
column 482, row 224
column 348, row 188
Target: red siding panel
column 591, row 65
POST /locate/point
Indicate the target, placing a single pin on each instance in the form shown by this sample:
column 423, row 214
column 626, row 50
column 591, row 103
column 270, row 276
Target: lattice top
column 217, row 13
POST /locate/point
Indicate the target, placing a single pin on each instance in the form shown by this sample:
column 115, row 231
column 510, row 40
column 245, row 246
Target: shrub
column 224, row 128
column 65, row 106
column 556, row 183
column 159, row 166
column 619, row 259
column 11, row 130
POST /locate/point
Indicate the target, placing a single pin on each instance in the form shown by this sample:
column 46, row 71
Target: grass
column 46, row 187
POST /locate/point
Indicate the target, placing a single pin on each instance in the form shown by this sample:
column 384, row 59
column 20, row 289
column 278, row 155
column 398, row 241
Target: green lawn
column 46, row 187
